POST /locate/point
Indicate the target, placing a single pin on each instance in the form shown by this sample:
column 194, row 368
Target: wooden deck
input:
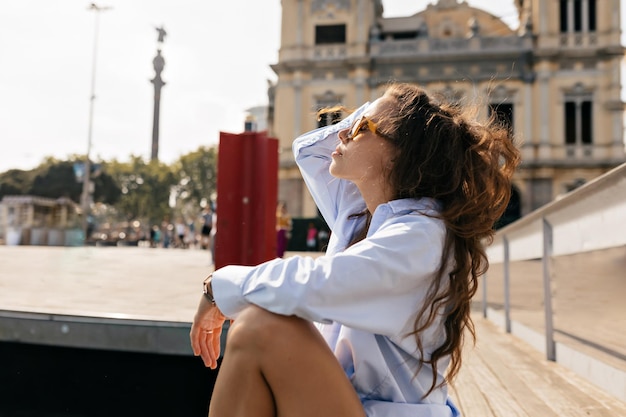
column 502, row 376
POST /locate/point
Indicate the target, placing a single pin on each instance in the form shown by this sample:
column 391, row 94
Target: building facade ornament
column 447, row 4
column 323, row 5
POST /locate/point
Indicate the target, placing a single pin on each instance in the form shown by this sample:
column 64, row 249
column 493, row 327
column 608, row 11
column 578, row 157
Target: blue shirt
column 364, row 298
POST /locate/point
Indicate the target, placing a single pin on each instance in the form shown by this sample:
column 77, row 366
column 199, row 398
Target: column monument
column 159, row 63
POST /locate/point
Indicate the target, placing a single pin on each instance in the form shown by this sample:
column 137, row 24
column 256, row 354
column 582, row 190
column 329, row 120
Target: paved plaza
column 112, row 282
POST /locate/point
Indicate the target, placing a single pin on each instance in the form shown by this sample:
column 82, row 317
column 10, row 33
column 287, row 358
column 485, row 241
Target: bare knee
column 258, row 328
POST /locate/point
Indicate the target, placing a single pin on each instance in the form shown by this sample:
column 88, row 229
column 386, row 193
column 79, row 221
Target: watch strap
column 207, row 289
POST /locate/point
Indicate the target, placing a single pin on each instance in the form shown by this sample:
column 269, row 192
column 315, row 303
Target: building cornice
column 570, row 164
column 577, row 53
column 453, row 47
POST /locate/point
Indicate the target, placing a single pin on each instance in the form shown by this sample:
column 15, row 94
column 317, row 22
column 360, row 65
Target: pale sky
column 217, row 56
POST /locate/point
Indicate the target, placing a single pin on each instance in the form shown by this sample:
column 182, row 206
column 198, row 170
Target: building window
column 397, row 36
column 592, row 15
column 570, row 123
column 577, row 15
column 327, row 34
column 563, row 14
column 513, row 210
column 586, row 128
column 578, row 122
column 503, row 114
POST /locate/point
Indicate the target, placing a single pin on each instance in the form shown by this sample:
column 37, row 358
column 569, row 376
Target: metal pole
column 85, row 198
column 547, row 289
column 485, row 295
column 507, row 279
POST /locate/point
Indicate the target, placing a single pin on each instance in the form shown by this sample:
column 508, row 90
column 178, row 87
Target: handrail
column 589, row 218
column 592, row 217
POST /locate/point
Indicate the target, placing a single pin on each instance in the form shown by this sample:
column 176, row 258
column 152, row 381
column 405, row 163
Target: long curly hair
column 444, row 153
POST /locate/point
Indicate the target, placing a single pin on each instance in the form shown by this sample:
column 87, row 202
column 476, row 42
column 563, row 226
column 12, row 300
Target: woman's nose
column 343, row 135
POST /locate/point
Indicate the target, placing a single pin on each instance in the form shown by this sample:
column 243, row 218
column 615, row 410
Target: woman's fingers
column 205, row 349
column 216, row 342
column 206, row 333
column 195, row 340
column 209, row 347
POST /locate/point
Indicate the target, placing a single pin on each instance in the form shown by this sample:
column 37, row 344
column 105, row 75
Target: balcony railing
column 452, row 46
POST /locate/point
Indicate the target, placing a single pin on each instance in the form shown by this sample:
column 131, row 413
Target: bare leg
column 280, row 366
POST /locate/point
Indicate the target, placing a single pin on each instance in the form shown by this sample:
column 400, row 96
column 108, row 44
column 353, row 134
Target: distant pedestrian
column 322, row 239
column 283, row 228
column 191, row 234
column 207, row 227
column 213, row 236
column 155, row 236
column 181, row 230
column 166, row 232
column 311, row 237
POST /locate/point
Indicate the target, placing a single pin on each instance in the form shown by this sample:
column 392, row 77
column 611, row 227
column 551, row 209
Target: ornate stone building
column 555, row 79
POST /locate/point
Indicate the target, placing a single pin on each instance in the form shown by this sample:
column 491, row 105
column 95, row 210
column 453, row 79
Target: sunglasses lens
column 356, row 127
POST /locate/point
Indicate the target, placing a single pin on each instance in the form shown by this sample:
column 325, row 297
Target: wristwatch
column 207, row 290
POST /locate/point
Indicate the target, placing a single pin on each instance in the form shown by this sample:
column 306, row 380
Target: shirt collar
column 402, row 207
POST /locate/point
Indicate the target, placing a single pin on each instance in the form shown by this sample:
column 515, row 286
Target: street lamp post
column 85, row 198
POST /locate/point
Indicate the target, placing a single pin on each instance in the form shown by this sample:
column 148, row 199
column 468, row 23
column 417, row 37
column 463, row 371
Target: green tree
column 196, row 173
column 145, row 189
column 15, row 182
column 126, row 191
column 54, row 179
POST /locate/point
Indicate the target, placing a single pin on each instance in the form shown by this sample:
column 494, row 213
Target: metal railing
column 590, row 218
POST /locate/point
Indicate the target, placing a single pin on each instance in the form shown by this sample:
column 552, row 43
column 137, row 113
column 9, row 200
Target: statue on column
column 162, row 33
column 158, row 63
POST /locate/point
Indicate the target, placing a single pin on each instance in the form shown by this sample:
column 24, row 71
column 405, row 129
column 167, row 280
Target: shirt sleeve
column 376, row 285
column 312, row 152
